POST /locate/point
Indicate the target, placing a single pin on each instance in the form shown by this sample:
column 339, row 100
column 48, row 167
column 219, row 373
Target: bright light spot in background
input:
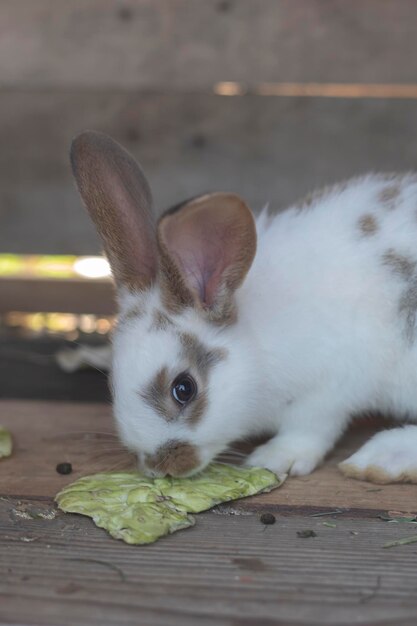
column 58, row 323
column 318, row 90
column 92, row 267
column 59, row 267
column 229, row 88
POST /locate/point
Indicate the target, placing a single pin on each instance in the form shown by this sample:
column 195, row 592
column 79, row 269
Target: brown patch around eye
column 368, row 225
column 389, row 195
column 197, row 408
column 175, row 458
column 199, row 355
column 156, row 394
column 399, row 263
column 203, row 359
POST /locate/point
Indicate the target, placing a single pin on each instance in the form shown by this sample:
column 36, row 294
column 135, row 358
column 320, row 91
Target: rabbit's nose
column 176, row 458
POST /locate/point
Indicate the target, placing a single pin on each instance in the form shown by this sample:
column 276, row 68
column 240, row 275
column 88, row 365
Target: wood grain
column 227, row 570
column 267, row 150
column 47, row 433
column 66, row 296
column 192, row 44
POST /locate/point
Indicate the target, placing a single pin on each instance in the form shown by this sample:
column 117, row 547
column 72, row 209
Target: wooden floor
column 229, row 569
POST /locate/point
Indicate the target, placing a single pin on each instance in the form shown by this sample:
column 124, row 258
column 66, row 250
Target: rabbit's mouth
column 174, row 458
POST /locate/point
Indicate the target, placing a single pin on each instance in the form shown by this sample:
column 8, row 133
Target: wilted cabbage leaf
column 5, row 442
column 139, row 510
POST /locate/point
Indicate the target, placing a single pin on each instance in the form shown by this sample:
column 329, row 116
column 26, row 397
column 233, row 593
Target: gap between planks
column 47, row 433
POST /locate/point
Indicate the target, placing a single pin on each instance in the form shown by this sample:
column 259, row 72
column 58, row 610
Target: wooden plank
column 226, row 570
column 67, row 296
column 265, row 149
column 47, row 433
column 190, row 44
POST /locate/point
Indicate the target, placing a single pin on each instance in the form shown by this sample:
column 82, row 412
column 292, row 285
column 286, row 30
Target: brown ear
column 118, row 198
column 207, row 246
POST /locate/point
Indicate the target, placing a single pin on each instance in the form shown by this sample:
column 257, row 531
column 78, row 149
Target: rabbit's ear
column 118, row 198
column 207, row 246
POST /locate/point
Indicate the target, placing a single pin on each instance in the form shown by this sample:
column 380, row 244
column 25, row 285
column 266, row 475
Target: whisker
column 80, row 434
column 109, row 452
column 124, row 464
column 236, row 453
column 162, row 462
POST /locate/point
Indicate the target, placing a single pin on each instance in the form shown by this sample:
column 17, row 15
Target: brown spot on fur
column 408, row 306
column 368, row 225
column 389, row 195
column 176, row 458
column 375, row 474
column 157, row 394
column 399, row 263
column 314, row 197
column 160, row 321
column 201, row 357
column 405, row 268
column 132, row 314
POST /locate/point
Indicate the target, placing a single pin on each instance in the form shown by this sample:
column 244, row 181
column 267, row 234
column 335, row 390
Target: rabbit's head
column 180, row 369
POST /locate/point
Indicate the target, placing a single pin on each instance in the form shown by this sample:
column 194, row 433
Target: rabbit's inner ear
column 118, row 198
column 208, row 246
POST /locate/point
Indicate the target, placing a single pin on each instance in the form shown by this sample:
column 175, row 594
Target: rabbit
column 229, row 326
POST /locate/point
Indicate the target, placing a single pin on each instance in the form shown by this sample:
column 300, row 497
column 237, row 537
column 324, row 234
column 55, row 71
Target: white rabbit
column 230, row 327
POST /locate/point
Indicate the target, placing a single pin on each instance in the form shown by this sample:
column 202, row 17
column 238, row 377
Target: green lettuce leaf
column 6, row 444
column 139, row 510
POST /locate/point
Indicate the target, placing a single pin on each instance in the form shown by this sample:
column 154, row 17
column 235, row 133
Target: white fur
column 319, row 337
column 389, row 456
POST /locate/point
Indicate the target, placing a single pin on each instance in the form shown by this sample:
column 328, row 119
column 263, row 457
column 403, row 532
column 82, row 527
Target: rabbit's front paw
column 283, row 455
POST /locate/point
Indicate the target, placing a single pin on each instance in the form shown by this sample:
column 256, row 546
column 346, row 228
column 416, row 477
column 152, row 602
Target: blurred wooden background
column 148, row 73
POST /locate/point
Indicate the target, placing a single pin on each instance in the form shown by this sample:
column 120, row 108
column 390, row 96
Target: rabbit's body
column 216, row 343
column 335, row 282
column 339, row 303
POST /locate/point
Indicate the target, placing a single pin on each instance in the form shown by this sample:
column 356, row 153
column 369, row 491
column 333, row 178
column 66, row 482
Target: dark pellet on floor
column 305, row 534
column 267, row 518
column 64, row 468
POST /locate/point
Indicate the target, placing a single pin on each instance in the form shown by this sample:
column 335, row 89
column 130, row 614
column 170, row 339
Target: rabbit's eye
column 183, row 388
